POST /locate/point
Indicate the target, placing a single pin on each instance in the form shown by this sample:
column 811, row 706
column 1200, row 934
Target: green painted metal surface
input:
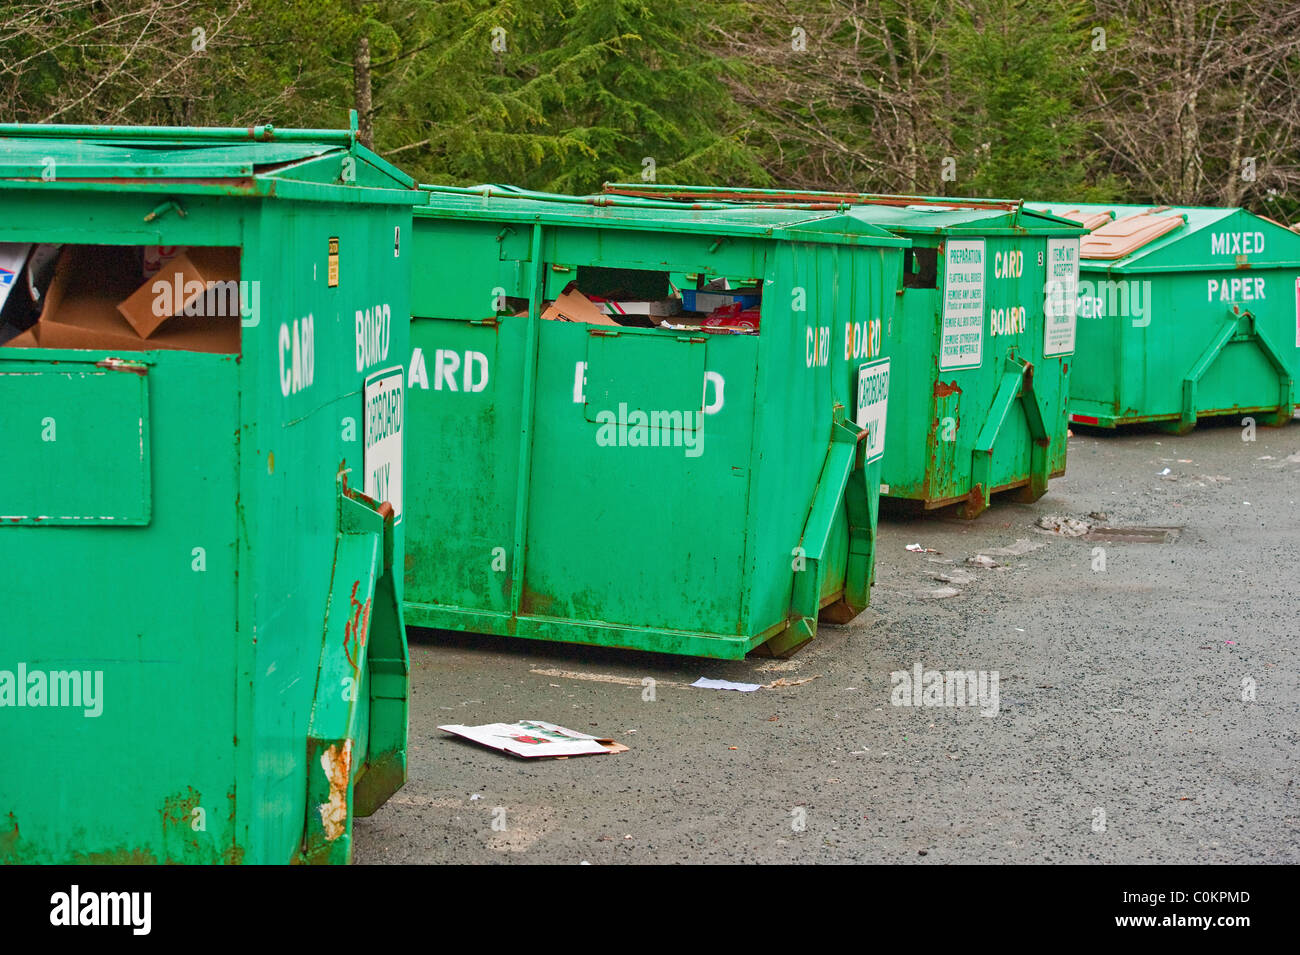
column 1204, row 320
column 190, row 530
column 743, row 510
column 980, row 381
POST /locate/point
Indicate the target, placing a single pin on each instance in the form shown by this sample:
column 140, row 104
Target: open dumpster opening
column 133, row 298
column 649, row 298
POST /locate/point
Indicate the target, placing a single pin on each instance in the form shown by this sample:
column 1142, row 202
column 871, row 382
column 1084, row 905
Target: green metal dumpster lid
column 807, row 222
column 1203, row 237
column 254, row 161
column 903, row 215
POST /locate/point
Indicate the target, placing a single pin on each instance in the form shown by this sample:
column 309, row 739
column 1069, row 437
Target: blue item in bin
column 699, row 300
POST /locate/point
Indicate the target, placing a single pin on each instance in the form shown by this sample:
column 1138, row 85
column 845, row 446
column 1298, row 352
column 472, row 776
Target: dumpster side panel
column 593, row 473
column 1160, row 351
column 791, row 439
column 144, row 616
column 466, row 267
column 1016, row 280
column 925, row 404
column 466, row 411
column 463, row 458
column 850, row 297
column 334, row 312
column 1241, row 377
column 1101, row 338
column 58, row 215
column 631, row 524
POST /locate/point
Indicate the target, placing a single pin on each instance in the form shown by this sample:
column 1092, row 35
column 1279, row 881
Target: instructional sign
column 961, row 342
column 873, row 405
column 1062, row 305
column 383, row 430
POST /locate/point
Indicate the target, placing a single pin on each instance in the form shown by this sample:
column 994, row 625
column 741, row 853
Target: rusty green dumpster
column 201, row 419
column 591, row 462
column 1184, row 313
column 981, row 353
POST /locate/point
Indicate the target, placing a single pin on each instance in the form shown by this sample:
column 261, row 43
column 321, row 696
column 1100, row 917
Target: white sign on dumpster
column 961, row 339
column 873, row 404
column 1061, row 307
column 383, row 430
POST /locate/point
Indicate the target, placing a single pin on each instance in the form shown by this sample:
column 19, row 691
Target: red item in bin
column 732, row 316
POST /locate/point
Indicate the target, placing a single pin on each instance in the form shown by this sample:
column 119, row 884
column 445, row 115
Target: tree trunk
column 361, row 93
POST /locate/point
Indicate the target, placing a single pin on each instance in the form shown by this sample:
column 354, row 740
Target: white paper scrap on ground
column 707, row 684
column 531, row 738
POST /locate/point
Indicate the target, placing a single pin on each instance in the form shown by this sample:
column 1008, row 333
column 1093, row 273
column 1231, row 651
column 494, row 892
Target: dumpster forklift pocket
column 356, row 742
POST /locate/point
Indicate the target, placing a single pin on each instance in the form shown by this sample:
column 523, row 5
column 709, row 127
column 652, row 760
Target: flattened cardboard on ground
column 576, row 307
column 707, row 683
column 202, row 281
column 532, row 739
column 81, row 308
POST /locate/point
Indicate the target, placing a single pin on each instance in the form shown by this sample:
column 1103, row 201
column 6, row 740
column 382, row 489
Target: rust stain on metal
column 805, row 206
column 9, row 840
column 973, row 503
column 117, row 857
column 119, row 364
column 336, row 761
column 356, row 628
column 942, row 390
column 178, row 809
column 531, row 601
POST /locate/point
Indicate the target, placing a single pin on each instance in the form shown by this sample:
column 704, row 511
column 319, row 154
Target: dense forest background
column 1162, row 101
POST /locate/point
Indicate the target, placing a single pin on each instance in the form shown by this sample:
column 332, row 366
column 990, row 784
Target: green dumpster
column 981, row 354
column 1184, row 313
column 589, row 464
column 200, row 415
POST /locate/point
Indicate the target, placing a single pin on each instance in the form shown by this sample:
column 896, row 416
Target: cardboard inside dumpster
column 101, row 298
column 638, row 300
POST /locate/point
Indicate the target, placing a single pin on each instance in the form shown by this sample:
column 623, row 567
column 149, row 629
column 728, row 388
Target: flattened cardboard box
column 199, row 280
column 25, row 339
column 576, row 307
column 81, row 308
column 532, row 739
